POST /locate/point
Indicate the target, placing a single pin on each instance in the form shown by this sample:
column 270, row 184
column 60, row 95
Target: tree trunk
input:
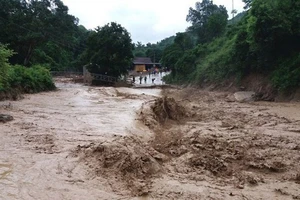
column 29, row 54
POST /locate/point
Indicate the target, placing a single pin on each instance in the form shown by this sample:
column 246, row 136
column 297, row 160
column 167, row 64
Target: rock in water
column 5, row 118
column 246, row 96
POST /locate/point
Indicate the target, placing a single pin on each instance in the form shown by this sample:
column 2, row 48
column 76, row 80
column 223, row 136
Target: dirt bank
column 228, row 150
column 205, row 146
column 105, row 143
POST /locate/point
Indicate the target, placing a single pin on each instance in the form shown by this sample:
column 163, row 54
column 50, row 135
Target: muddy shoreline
column 83, row 142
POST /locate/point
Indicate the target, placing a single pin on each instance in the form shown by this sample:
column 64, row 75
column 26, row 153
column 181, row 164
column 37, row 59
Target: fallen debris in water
column 5, row 118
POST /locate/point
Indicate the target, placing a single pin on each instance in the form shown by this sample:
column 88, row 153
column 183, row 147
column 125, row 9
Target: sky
column 146, row 20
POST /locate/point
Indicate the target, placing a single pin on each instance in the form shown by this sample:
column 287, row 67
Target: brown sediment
column 84, row 142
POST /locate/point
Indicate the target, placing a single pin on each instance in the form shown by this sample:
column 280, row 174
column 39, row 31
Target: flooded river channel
column 83, row 142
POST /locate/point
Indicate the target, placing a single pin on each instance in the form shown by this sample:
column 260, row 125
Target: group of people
column 152, row 74
column 141, row 79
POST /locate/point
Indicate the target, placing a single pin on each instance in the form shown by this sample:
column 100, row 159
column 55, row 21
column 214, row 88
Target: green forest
column 265, row 40
column 40, row 36
column 36, row 37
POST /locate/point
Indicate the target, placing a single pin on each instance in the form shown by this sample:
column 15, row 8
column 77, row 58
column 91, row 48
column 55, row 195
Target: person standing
column 153, row 79
column 141, row 78
column 145, row 79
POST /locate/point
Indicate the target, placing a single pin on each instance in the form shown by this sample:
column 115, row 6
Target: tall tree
column 28, row 25
column 247, row 3
column 173, row 54
column 109, row 50
column 273, row 30
column 208, row 20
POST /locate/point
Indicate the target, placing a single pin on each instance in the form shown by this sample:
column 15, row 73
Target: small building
column 141, row 64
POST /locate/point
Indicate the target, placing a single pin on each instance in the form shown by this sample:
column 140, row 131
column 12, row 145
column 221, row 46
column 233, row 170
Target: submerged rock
column 5, row 118
column 245, row 96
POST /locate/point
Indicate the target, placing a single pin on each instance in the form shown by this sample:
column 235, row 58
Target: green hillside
column 265, row 40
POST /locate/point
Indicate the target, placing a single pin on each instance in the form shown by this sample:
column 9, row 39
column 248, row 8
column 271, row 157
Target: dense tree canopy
column 37, row 34
column 208, row 20
column 109, row 50
column 39, row 31
column 265, row 39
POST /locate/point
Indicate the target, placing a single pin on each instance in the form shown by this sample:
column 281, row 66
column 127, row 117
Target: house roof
column 142, row 60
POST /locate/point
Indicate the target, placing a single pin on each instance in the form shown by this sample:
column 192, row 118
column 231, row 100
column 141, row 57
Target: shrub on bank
column 22, row 79
column 4, row 67
column 31, row 80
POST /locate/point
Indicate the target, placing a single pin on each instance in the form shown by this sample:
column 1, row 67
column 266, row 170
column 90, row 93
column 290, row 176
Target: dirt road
column 107, row 143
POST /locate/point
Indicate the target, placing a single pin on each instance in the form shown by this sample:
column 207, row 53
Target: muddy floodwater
column 82, row 142
column 47, row 126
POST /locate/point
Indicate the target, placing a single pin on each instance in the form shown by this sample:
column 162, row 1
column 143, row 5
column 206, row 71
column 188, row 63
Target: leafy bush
column 216, row 64
column 287, row 75
column 31, row 80
column 28, row 80
column 4, row 67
